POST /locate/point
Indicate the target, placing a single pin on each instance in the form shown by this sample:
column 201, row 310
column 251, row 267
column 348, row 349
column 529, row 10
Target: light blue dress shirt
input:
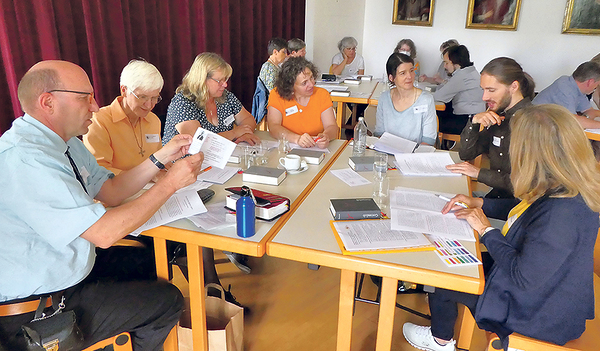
column 417, row 123
column 564, row 92
column 44, row 210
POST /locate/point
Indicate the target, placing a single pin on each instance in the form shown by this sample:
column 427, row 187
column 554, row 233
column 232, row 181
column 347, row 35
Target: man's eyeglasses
column 220, row 82
column 144, row 99
column 90, row 95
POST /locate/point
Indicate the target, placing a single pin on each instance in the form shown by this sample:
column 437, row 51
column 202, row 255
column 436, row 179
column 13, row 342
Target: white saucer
column 303, row 168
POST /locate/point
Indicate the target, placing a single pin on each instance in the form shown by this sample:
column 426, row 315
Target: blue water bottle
column 245, row 215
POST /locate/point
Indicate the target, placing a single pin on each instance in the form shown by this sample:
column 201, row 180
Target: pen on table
column 461, row 204
column 207, row 169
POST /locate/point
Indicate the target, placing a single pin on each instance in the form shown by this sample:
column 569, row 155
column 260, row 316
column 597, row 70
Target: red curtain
column 103, row 35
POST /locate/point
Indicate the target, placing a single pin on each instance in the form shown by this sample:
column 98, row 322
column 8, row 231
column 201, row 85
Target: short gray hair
column 295, row 44
column 347, row 42
column 141, row 74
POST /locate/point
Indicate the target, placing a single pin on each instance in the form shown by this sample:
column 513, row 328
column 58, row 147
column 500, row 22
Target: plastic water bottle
column 360, row 138
column 245, row 215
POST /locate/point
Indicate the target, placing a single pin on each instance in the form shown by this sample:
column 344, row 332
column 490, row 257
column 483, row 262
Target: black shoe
column 239, row 261
column 231, row 299
column 403, row 287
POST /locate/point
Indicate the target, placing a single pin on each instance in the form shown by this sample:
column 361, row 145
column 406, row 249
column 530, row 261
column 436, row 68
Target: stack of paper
column 376, row 236
column 180, row 205
column 420, row 211
column 425, row 164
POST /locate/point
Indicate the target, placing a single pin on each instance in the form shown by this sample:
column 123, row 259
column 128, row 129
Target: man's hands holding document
column 473, row 214
column 184, row 171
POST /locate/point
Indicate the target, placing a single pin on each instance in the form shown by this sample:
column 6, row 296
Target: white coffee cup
column 291, row 162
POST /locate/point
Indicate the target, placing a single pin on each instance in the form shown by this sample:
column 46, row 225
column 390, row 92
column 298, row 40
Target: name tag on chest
column 152, row 138
column 420, row 109
column 291, row 110
column 496, row 141
column 229, row 120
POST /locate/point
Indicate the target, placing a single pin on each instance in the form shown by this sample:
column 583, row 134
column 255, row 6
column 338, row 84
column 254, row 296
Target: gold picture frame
column 413, row 12
column 493, row 14
column 582, row 17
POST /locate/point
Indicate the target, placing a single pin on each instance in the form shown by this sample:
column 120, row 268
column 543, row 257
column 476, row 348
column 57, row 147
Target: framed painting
column 493, row 14
column 413, row 12
column 582, row 17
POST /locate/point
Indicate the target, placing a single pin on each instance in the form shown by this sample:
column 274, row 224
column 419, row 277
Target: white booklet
column 180, row 205
column 216, row 149
column 392, row 144
column 425, row 164
column 348, row 176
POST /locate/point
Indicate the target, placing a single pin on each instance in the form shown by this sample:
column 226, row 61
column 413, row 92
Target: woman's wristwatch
column 156, row 162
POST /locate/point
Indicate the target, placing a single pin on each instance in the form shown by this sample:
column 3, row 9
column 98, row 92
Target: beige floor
column 295, row 309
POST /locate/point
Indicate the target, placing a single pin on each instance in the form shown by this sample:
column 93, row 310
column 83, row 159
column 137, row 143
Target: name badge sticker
column 420, row 109
column 84, row 174
column 496, row 141
column 152, row 138
column 229, row 120
column 291, row 110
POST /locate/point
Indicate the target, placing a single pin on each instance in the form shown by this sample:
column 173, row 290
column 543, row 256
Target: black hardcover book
column 364, row 208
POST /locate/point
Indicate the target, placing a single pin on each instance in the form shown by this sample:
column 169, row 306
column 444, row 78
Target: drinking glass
column 380, row 166
column 284, row 144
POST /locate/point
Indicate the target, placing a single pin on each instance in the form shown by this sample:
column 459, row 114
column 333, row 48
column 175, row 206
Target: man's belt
column 12, row 309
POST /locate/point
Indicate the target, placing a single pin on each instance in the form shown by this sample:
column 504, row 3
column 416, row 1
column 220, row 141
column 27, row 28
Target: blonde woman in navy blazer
column 541, row 282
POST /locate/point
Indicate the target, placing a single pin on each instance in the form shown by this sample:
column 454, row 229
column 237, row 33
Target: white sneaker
column 421, row 338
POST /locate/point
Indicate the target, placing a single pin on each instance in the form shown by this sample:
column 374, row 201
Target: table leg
column 162, row 271
column 197, row 302
column 340, row 116
column 387, row 308
column 344, row 334
column 466, row 327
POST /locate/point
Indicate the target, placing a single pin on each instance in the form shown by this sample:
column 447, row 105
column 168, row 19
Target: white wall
column 537, row 44
column 327, row 22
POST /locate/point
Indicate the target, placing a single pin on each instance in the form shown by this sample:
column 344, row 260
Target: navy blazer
column 541, row 282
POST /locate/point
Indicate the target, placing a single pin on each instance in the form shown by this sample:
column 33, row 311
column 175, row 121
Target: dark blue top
column 541, row 283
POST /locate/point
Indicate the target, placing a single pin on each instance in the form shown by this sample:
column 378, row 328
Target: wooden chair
column 448, row 136
column 590, row 340
column 121, row 342
column 262, row 125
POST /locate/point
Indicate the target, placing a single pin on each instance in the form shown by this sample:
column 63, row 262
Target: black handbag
column 58, row 331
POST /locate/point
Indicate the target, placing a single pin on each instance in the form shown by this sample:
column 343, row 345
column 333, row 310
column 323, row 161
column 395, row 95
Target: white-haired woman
column 347, row 62
column 126, row 132
column 202, row 101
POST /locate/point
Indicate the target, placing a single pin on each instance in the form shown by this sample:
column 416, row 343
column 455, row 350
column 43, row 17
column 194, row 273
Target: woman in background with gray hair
column 407, row 47
column 347, row 62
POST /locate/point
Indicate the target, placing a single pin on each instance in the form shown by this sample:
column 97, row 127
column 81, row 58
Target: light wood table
column 359, row 94
column 313, row 242
column 295, row 187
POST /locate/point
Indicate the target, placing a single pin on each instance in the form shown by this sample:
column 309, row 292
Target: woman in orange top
column 297, row 109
